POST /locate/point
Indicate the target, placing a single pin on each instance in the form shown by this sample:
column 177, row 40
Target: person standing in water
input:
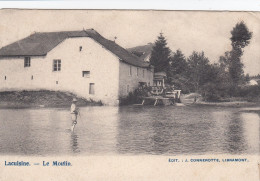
column 74, row 111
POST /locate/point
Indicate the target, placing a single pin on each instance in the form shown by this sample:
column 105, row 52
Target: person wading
column 74, row 111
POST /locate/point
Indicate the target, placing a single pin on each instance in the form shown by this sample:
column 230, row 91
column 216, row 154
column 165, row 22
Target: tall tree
column 178, row 63
column 177, row 72
column 160, row 56
column 198, row 67
column 224, row 61
column 240, row 38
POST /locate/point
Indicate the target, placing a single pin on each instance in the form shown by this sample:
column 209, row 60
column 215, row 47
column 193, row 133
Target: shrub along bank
column 41, row 98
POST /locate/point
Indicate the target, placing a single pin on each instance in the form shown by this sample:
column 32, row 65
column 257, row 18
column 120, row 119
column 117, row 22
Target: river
column 130, row 130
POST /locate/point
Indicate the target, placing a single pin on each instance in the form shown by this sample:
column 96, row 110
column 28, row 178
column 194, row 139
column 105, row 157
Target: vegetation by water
column 41, row 98
column 221, row 81
column 136, row 96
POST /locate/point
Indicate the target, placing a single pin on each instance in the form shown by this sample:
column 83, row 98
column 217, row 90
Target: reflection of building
column 159, row 79
column 82, row 62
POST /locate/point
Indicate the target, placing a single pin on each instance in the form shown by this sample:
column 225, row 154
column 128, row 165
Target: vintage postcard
column 129, row 95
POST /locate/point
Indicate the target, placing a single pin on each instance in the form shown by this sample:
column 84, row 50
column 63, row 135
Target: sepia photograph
column 180, row 85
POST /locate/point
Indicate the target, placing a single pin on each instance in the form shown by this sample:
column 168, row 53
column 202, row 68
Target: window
column 86, row 74
column 57, row 82
column 56, row 65
column 137, row 71
column 5, row 77
column 143, row 73
column 130, row 70
column 32, row 77
column 27, row 61
column 80, row 48
column 91, row 88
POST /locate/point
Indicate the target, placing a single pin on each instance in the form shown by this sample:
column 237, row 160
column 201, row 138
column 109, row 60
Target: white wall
column 102, row 64
column 110, row 76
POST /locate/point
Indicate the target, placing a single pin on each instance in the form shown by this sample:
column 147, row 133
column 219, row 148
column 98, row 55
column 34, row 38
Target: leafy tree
column 198, row 68
column 177, row 72
column 178, row 63
column 256, row 76
column 247, row 78
column 231, row 72
column 225, row 61
column 218, row 86
column 160, row 56
column 240, row 36
column 240, row 39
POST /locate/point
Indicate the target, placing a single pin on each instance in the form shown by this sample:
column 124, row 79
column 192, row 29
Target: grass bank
column 230, row 102
column 41, row 98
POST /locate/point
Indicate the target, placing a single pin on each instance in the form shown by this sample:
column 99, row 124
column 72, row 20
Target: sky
column 189, row 31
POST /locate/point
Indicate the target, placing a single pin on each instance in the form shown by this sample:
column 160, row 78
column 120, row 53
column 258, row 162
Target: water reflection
column 74, row 143
column 130, row 130
column 251, row 131
column 234, row 135
column 96, row 130
column 162, row 130
column 189, row 130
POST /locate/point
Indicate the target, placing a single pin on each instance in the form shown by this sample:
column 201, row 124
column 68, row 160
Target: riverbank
column 196, row 99
column 41, row 98
column 229, row 104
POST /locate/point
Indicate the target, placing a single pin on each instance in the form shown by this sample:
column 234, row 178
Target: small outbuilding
column 252, row 82
column 159, row 79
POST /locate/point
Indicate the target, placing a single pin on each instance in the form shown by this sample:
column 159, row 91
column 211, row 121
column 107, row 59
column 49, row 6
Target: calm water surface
column 130, row 130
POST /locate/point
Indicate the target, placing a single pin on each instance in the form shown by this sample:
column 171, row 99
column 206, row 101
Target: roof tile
column 39, row 44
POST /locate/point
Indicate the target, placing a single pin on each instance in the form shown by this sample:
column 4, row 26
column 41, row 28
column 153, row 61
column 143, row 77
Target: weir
column 158, row 100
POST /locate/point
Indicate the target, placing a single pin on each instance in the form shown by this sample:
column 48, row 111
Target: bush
column 210, row 92
column 214, row 92
column 251, row 93
column 135, row 97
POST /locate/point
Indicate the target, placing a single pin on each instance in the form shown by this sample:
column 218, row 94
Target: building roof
column 159, row 75
column 39, row 44
column 143, row 51
column 253, row 82
column 163, row 74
